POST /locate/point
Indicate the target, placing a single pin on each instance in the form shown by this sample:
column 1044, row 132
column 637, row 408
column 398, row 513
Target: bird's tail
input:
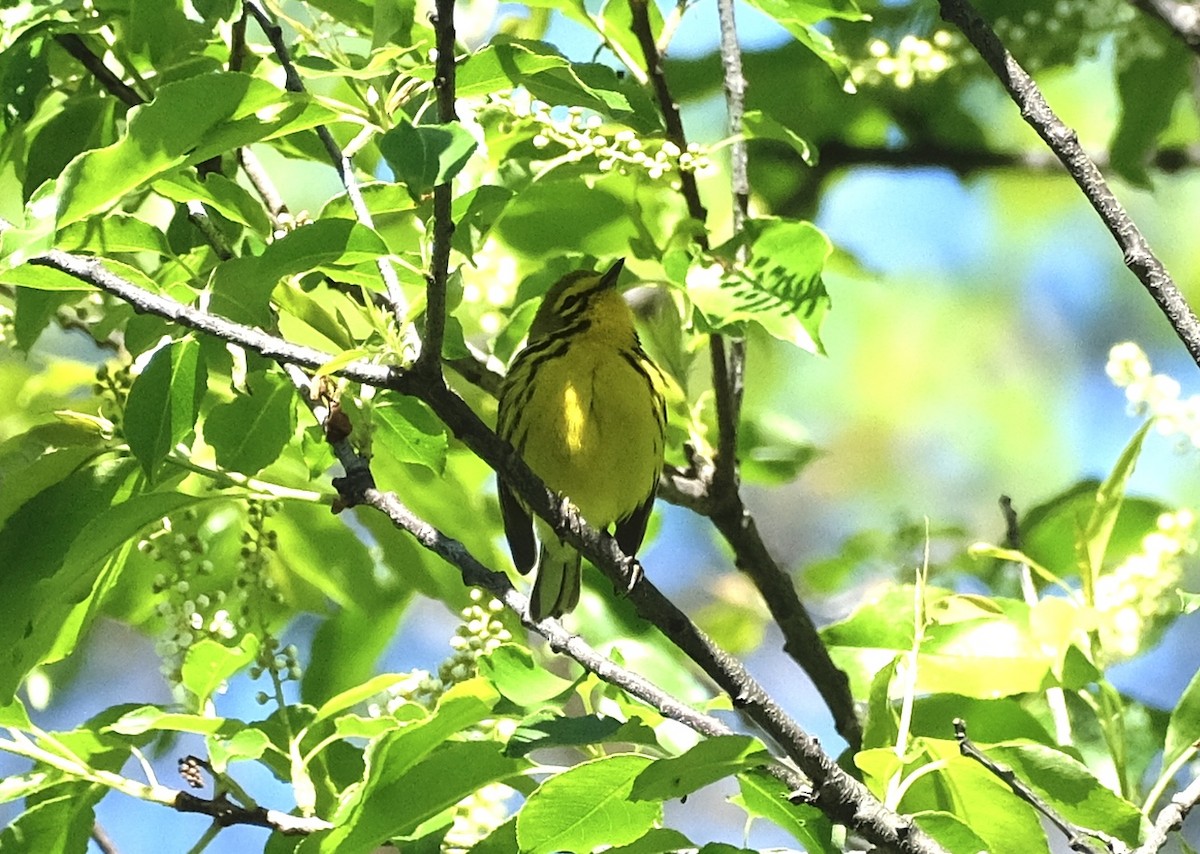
column 559, row 576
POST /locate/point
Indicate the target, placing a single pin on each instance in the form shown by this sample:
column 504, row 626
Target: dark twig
column 1170, row 819
column 1064, row 142
column 840, row 796
column 430, row 359
column 253, row 169
column 670, row 110
column 1078, row 838
column 75, row 46
column 729, row 378
column 226, row 813
column 1183, row 19
column 199, row 217
column 341, row 163
column 717, row 489
column 103, row 841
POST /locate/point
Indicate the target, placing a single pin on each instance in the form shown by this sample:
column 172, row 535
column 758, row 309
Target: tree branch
column 358, row 488
column 226, row 813
column 835, row 792
column 717, row 487
column 1064, row 142
column 1170, row 818
column 429, row 360
column 75, row 46
column 729, row 371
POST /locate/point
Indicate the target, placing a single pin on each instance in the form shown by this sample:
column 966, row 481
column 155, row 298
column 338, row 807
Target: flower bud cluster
column 1134, row 598
column 257, row 592
column 188, row 613
column 7, row 324
column 913, row 60
column 190, row 607
column 1154, row 395
column 575, row 134
column 112, row 387
column 479, row 633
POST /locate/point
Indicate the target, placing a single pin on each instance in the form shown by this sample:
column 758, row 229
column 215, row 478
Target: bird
column 584, row 406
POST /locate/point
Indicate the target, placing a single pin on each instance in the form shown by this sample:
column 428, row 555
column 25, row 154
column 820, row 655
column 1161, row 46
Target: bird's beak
column 609, row 279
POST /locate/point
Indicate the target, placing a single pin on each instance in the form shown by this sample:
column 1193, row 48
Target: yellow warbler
column 583, row 405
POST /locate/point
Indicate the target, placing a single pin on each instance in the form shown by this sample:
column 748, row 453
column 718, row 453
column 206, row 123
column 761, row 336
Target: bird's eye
column 569, row 303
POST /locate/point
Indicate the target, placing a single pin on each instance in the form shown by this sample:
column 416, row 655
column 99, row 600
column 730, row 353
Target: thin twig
column 1170, row 819
column 259, row 179
column 1064, row 142
column 733, row 375
column 103, row 841
column 199, row 217
column 387, row 272
column 716, row 487
column 839, row 795
column 670, row 110
column 75, row 46
column 1079, row 839
column 226, row 813
column 429, row 360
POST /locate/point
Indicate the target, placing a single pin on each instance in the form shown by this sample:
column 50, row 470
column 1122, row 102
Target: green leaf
column 208, row 664
column 423, row 156
column 42, row 278
column 393, row 806
column 246, row 743
column 188, row 122
column 116, row 232
column 951, row 832
column 780, row 288
column 409, row 432
column 13, row 714
column 474, row 213
column 758, row 125
column 1183, row 731
column 972, row 645
column 359, row 694
column 250, row 432
column 657, row 840
column 587, row 805
column 1050, row 531
column 1071, row 789
column 1092, row 546
column 60, row 823
column 764, row 796
column 17, row 786
column 710, row 760
column 1153, row 70
column 801, row 17
column 773, row 448
column 164, row 401
column 242, row 286
column 961, row 786
column 54, row 548
column 154, row 719
column 543, row 730
column 503, row 64
column 226, row 197
column 391, row 758
column 519, row 678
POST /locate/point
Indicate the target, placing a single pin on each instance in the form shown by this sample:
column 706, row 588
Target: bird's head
column 583, row 295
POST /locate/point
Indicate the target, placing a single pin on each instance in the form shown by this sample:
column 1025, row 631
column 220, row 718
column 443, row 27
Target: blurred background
column 974, row 305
